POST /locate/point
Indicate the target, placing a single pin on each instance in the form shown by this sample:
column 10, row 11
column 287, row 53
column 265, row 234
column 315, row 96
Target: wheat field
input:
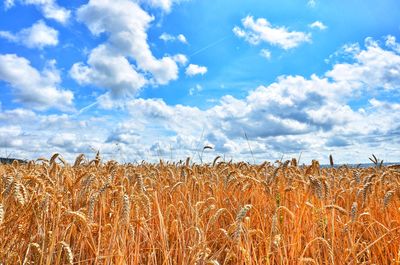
column 102, row 212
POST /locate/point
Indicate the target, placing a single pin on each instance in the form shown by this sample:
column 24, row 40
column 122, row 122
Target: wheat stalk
column 1, row 213
column 336, row 207
column 239, row 219
column 126, row 208
column 68, row 252
column 388, row 196
column 316, row 186
column 353, row 211
column 17, row 193
column 92, row 202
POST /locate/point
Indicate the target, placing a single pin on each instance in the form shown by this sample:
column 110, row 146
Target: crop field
column 102, row 212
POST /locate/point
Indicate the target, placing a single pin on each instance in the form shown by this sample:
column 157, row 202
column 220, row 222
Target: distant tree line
column 10, row 160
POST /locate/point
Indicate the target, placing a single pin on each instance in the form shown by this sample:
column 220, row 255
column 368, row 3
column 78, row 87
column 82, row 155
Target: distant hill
column 363, row 165
column 396, row 165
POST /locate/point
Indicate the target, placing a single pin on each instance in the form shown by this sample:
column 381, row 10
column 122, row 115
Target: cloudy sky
column 160, row 79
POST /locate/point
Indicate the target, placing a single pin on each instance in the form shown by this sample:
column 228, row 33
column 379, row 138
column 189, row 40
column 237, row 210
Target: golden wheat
column 102, row 212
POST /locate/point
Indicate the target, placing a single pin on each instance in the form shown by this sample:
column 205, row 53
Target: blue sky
column 159, row 79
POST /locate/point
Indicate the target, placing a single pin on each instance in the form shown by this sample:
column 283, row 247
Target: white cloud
column 265, row 53
column 17, row 116
column 391, row 43
column 49, row 8
column 384, row 105
column 42, row 135
column 8, row 4
column 181, row 59
column 164, row 5
column 352, row 49
column 194, row 69
column 182, row 38
column 294, row 114
column 291, row 115
column 127, row 24
column 347, row 52
column 193, row 90
column 110, row 71
column 168, row 37
column 39, row 35
column 8, row 36
column 312, row 3
column 176, row 118
column 10, row 136
column 37, row 89
column 260, row 30
column 318, row 24
column 65, row 140
column 374, row 67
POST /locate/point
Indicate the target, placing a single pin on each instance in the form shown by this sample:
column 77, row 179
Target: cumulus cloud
column 390, row 42
column 183, row 118
column 182, row 38
column 167, row 37
column 373, row 67
column 49, row 8
column 65, row 140
column 16, row 116
column 261, row 30
column 39, row 90
column 39, row 35
column 294, row 114
column 193, row 90
column 181, row 59
column 126, row 25
column 319, row 25
column 10, row 136
column 265, row 53
column 194, row 69
column 108, row 70
column 337, row 141
column 164, row 5
column 29, row 135
column 384, row 105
